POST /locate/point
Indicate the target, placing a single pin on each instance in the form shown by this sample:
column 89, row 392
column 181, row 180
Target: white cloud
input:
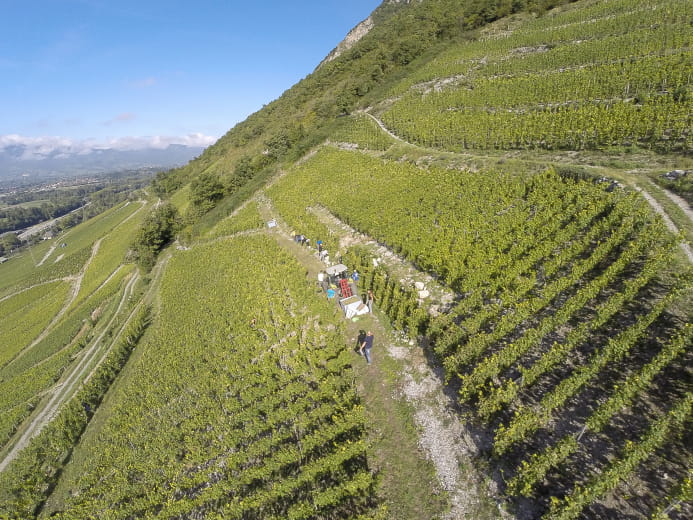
column 50, row 146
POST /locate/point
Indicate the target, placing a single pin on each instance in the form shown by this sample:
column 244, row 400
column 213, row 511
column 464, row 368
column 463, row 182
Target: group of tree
column 19, row 217
column 8, row 242
column 157, row 230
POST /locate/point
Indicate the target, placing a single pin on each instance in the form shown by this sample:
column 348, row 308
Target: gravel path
column 384, row 128
column 25, row 289
column 446, row 440
column 679, row 201
column 688, row 251
column 443, row 437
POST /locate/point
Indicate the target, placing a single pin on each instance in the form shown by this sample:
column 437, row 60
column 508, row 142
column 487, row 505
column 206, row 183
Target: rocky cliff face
column 354, row 35
column 357, row 33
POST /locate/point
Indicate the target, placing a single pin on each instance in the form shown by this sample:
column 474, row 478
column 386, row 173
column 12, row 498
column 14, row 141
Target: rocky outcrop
column 347, row 43
column 357, row 33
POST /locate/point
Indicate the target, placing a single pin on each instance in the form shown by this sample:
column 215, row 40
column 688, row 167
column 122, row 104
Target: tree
column 206, row 191
column 157, row 230
column 8, row 242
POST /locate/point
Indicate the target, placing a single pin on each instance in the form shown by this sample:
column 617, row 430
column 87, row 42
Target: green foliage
column 543, row 264
column 157, row 230
column 682, row 186
column 167, row 182
column 29, row 207
column 24, row 484
column 8, row 242
column 558, row 282
column 111, row 254
column 556, row 83
column 26, row 314
column 362, row 131
column 205, row 191
column 243, row 406
column 245, row 219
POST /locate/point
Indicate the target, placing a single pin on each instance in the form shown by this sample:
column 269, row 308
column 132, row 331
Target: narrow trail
column 110, row 277
column 48, row 253
column 679, row 201
column 61, row 238
column 69, row 345
column 385, row 129
column 686, row 248
column 442, row 436
column 144, row 205
column 74, row 292
column 127, row 294
column 77, row 283
column 62, row 391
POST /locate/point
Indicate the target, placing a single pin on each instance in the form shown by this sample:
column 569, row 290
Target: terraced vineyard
column 221, row 384
column 592, row 75
column 50, row 314
column 243, row 405
column 561, row 298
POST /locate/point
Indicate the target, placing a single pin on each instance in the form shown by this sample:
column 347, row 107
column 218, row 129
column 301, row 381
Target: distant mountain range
column 18, row 160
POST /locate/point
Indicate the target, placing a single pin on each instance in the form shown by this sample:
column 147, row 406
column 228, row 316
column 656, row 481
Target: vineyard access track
column 443, row 438
column 77, row 283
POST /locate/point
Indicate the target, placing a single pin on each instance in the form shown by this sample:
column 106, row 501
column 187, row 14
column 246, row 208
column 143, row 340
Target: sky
column 119, row 73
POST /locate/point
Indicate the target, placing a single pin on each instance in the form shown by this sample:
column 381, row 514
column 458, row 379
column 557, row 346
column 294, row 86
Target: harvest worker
column 366, row 346
column 369, row 300
column 353, row 283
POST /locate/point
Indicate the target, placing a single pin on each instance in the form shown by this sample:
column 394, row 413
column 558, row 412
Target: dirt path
column 63, row 390
column 110, row 277
column 77, row 283
column 687, row 250
column 403, row 378
column 48, row 253
column 144, row 205
column 64, row 279
column 680, row 202
column 442, row 435
column 384, row 128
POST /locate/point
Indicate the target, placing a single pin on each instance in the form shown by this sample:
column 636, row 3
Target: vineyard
column 544, row 310
column 251, row 419
column 588, row 77
column 562, row 305
column 51, row 312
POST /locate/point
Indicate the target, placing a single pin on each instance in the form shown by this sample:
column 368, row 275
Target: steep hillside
column 487, row 168
column 402, row 33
